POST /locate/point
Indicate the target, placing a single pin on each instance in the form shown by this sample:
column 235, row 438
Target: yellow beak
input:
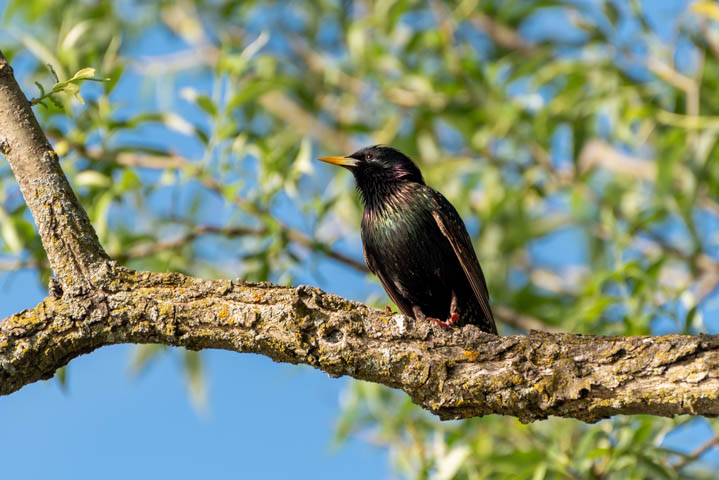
column 341, row 161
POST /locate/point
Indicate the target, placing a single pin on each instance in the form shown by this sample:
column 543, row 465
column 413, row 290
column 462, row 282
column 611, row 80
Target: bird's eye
column 369, row 157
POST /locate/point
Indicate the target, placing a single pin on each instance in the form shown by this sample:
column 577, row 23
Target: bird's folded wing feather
column 452, row 227
column 387, row 283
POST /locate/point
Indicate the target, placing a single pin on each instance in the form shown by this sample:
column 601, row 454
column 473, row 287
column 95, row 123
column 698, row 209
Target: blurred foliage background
column 578, row 139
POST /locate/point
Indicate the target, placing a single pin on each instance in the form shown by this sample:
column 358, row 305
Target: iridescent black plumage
column 416, row 242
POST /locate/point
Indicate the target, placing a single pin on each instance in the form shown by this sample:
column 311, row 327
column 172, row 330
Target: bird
column 416, row 243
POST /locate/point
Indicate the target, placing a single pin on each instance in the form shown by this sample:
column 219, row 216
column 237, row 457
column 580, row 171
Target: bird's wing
column 452, row 227
column 388, row 284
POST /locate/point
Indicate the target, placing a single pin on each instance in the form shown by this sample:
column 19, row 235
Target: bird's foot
column 388, row 309
column 447, row 323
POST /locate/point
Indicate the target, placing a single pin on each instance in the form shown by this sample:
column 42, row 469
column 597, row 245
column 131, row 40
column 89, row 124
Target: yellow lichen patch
column 26, row 320
column 539, row 387
column 166, row 309
column 223, row 313
column 470, row 355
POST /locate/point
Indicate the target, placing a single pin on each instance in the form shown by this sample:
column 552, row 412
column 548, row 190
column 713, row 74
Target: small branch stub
column 4, row 146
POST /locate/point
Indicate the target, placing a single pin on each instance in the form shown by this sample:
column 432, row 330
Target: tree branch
column 71, row 244
column 455, row 373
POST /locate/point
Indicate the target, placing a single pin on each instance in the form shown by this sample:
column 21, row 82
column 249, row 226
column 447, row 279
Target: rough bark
column 455, row 373
column 71, row 243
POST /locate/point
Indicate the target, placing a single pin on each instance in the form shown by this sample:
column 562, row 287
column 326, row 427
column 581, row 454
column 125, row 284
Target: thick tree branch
column 456, row 373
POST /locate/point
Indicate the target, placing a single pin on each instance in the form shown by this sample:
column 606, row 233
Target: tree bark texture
column 71, row 243
column 455, row 373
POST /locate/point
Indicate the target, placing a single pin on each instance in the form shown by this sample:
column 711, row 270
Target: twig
column 502, row 35
column 152, row 248
column 698, row 452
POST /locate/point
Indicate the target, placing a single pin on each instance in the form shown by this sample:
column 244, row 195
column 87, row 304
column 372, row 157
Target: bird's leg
column 447, row 323
column 453, row 315
column 419, row 314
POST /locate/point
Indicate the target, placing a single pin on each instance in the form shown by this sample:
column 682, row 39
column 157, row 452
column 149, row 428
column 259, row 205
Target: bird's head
column 378, row 165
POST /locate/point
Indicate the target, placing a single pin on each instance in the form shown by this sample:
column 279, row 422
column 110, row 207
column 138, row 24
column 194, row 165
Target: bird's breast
column 404, row 238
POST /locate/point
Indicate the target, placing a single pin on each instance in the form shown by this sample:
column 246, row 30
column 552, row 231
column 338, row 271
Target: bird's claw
column 447, row 323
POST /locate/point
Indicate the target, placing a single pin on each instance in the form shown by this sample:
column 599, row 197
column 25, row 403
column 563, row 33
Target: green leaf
column 195, row 376
column 129, row 181
column 87, row 72
column 61, row 377
column 92, row 178
column 9, row 233
column 205, row 103
column 143, row 355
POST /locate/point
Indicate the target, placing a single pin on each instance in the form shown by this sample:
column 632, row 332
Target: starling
column 416, row 243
